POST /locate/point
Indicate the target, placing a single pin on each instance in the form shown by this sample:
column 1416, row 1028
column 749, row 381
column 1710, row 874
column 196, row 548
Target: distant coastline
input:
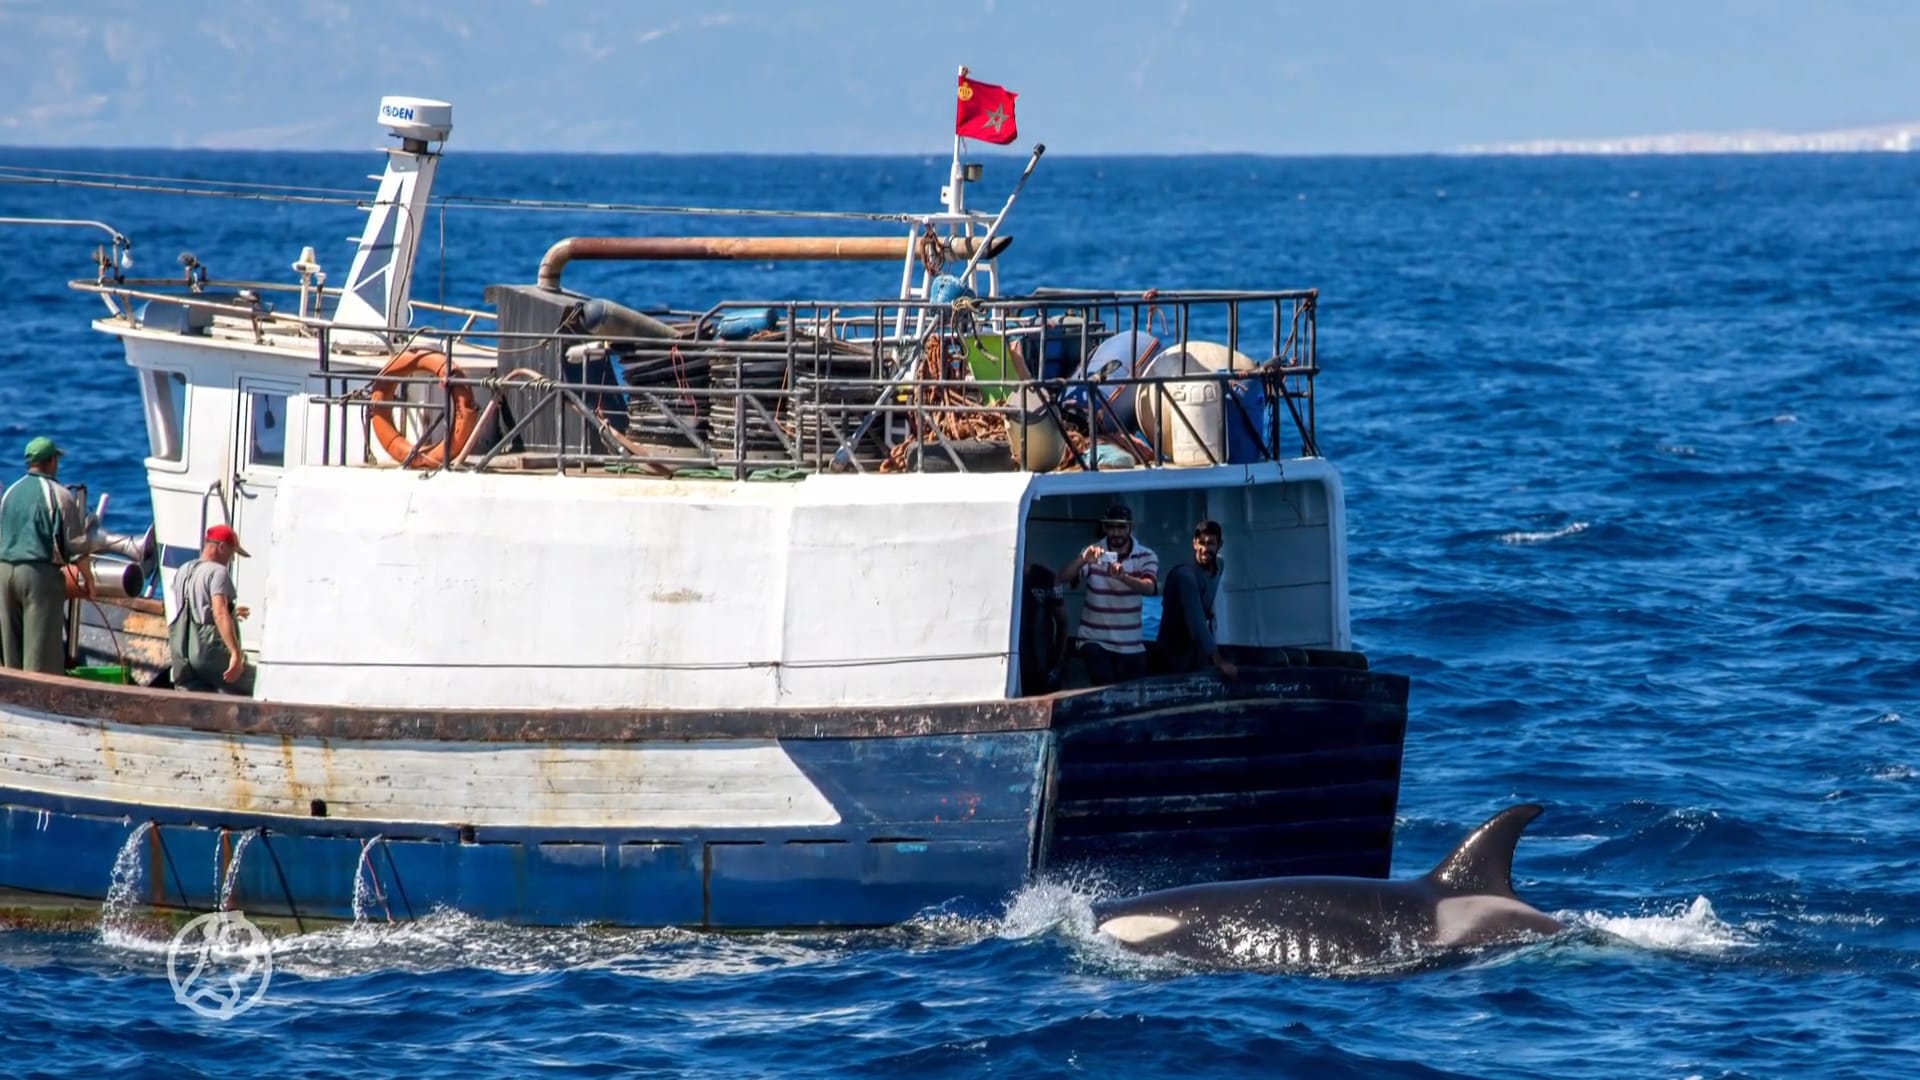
column 1889, row 138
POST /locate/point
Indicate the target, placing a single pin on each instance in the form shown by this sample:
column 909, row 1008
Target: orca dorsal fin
column 1483, row 863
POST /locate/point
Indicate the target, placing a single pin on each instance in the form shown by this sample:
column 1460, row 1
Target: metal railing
column 810, row 385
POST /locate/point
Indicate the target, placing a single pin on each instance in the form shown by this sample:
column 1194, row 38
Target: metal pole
column 993, row 227
column 843, row 457
column 956, row 198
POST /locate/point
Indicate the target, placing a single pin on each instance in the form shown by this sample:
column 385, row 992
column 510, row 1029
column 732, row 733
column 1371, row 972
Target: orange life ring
column 385, row 391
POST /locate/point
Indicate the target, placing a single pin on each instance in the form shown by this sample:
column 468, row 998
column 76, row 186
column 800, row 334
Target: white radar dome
column 417, row 118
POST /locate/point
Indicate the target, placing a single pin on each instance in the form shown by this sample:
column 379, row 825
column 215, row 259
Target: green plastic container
column 115, row 674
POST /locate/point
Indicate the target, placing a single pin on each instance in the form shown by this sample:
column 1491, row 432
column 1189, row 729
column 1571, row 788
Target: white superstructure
column 527, row 582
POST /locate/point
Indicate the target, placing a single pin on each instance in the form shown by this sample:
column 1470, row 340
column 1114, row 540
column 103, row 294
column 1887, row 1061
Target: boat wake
column 1045, row 912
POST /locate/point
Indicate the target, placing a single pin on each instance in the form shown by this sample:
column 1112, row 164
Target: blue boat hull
column 891, row 856
column 713, row 883
column 950, row 809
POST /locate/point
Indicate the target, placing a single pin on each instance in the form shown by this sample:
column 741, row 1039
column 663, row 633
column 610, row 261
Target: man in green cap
column 33, row 548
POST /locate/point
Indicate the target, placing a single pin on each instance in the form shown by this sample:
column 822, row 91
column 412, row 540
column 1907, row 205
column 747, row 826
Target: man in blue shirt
column 33, row 549
column 1186, row 641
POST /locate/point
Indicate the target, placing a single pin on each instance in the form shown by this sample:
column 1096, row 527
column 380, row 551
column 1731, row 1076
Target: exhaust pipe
column 86, row 535
column 133, row 549
column 752, row 248
column 113, row 579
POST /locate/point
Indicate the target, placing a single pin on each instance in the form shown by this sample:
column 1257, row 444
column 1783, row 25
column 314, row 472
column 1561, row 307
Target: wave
column 1574, row 529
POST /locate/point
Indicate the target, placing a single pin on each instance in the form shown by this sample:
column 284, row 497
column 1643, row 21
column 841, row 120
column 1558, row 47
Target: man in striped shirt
column 1117, row 571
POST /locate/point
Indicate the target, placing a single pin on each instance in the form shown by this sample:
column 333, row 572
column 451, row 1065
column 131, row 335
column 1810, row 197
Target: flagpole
column 956, row 184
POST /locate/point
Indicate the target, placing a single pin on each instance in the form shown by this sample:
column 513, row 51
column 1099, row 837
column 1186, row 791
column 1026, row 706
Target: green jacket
column 31, row 529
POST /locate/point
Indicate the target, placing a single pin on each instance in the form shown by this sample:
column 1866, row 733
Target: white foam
column 447, row 940
column 1841, row 919
column 1041, row 907
column 1543, row 537
column 1696, row 929
column 1066, row 907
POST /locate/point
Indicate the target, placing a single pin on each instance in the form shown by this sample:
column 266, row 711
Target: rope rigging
column 291, row 193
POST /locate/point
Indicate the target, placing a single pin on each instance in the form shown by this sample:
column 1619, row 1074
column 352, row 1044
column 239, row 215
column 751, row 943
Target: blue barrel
column 1249, row 419
column 1063, row 354
column 746, row 322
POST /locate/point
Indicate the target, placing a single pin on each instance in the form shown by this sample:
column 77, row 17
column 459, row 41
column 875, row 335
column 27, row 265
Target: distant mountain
column 1898, row 138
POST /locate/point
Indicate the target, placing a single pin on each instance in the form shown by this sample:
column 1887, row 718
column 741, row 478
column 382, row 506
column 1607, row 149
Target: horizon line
column 1470, row 151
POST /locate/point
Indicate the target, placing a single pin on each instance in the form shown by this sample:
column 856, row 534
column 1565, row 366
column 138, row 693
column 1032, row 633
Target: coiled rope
column 932, row 416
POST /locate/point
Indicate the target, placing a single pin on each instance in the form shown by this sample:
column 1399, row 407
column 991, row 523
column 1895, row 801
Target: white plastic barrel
column 1176, row 361
column 1191, row 423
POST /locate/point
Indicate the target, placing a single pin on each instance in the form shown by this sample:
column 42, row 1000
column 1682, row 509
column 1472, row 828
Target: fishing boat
column 565, row 608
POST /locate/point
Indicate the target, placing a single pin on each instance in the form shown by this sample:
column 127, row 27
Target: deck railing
column 1057, row 379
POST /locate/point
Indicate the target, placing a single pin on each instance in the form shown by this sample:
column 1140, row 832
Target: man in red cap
column 205, row 635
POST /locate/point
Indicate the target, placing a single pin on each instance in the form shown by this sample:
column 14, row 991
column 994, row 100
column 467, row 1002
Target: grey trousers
column 33, row 598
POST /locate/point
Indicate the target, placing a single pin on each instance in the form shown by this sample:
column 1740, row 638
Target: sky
column 877, row 76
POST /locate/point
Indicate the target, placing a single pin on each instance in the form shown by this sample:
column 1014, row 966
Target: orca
column 1324, row 923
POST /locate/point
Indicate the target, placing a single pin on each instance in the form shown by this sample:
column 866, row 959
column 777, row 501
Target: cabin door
column 260, row 461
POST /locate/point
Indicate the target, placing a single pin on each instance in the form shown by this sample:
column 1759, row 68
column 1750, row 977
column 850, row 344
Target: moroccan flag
column 985, row 112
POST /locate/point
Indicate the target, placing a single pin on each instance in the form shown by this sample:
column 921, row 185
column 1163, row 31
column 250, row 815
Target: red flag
column 985, row 112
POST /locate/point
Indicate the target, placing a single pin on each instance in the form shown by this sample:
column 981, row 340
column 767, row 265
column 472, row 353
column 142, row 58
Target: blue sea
column 1629, row 451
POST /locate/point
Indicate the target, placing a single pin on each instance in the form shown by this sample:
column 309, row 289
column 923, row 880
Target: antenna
column 381, row 280
column 416, row 120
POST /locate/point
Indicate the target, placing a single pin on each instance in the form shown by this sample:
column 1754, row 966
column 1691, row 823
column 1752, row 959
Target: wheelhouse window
column 267, row 429
column 165, row 396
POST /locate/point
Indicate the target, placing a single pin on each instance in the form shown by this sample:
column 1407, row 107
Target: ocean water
column 1629, row 450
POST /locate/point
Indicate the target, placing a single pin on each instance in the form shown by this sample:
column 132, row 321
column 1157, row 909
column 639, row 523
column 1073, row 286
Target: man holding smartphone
column 1118, row 571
